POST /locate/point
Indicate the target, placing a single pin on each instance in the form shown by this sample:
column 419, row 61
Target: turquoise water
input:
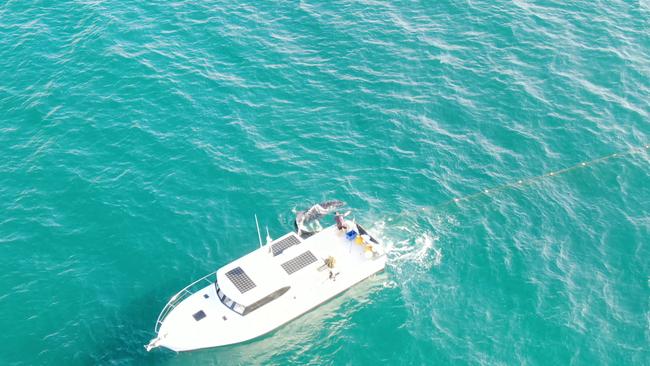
column 139, row 138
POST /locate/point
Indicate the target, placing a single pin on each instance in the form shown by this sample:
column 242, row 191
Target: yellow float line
column 528, row 181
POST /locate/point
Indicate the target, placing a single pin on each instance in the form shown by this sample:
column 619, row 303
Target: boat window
column 228, row 302
column 220, row 294
column 265, row 300
column 199, row 315
column 239, row 309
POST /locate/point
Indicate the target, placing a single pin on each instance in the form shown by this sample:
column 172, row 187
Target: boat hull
column 202, row 321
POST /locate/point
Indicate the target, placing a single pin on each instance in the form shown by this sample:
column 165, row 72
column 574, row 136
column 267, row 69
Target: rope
column 528, row 181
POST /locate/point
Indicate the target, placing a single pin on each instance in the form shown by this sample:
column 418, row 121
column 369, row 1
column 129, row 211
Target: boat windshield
column 237, row 308
column 240, row 309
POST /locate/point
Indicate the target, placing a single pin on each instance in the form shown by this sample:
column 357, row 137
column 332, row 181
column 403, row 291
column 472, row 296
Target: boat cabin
column 263, row 275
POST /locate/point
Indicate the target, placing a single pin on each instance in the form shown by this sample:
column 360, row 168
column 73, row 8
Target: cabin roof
column 257, row 274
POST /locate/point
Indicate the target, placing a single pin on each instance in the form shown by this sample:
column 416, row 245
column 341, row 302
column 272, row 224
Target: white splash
column 408, row 244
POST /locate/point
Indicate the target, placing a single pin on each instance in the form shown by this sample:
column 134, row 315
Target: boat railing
column 183, row 294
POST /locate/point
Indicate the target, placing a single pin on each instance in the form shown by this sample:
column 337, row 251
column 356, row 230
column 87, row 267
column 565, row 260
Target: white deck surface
column 309, row 288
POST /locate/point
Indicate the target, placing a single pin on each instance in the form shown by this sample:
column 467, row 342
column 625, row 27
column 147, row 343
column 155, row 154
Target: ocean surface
column 139, row 138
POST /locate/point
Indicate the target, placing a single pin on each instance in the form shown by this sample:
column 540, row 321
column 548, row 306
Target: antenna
column 259, row 236
column 268, row 239
column 268, row 236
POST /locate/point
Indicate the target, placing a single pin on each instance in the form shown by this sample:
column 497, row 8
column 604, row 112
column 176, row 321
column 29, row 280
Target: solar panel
column 240, row 279
column 299, row 262
column 283, row 244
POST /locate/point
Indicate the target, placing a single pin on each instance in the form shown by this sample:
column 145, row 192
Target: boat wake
column 411, row 241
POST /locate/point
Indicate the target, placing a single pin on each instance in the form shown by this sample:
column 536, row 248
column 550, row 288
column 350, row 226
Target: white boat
column 267, row 288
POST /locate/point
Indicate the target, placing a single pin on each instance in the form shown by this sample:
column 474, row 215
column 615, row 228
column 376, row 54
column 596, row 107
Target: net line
column 528, row 181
